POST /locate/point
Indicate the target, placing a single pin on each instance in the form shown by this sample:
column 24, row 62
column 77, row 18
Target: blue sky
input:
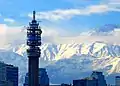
column 70, row 15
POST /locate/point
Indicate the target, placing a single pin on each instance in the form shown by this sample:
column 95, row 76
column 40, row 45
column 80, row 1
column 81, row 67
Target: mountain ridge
column 68, row 59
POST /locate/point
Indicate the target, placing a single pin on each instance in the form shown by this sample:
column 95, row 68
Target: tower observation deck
column 33, row 41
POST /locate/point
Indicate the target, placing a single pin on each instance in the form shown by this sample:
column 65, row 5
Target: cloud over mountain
column 17, row 35
column 63, row 14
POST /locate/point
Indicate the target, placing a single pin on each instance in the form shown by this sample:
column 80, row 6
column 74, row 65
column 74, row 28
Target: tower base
column 33, row 71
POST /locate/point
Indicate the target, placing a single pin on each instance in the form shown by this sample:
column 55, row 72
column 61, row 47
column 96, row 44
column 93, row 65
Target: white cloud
column 10, row 34
column 85, row 37
column 113, row 4
column 49, row 32
column 2, row 34
column 52, row 35
column 9, row 20
column 113, row 1
column 16, row 35
column 2, row 29
column 111, row 39
column 97, row 9
column 61, row 14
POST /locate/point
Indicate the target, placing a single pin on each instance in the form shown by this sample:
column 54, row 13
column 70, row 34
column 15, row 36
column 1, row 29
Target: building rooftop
column 117, row 77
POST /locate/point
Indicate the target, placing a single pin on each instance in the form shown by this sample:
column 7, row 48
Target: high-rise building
column 96, row 79
column 2, row 71
column 85, row 82
column 100, row 77
column 8, row 75
column 43, row 78
column 2, row 74
column 117, row 81
column 12, row 74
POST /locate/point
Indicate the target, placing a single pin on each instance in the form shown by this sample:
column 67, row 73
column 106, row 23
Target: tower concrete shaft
column 33, row 72
column 33, row 52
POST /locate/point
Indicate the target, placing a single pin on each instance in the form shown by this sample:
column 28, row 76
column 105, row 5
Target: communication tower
column 33, row 52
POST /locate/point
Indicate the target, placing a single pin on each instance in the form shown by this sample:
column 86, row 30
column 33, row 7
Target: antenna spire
column 34, row 15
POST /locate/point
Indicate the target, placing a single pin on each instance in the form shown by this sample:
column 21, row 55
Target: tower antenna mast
column 34, row 15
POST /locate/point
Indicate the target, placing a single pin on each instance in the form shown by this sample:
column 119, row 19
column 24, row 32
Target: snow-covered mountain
column 54, row 52
column 65, row 62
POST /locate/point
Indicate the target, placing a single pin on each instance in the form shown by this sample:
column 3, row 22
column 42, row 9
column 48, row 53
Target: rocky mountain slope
column 65, row 62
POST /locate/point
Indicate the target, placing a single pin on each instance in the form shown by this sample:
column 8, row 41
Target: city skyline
column 78, row 37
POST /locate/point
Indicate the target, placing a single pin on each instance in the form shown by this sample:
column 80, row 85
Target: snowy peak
column 72, row 60
column 107, row 28
column 52, row 52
